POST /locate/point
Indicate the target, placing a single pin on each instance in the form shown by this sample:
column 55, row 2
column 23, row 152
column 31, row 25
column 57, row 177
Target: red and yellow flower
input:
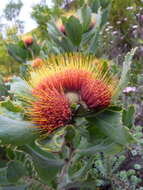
column 28, row 40
column 63, row 77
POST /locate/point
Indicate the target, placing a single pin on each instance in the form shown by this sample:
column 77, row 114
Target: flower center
column 72, row 97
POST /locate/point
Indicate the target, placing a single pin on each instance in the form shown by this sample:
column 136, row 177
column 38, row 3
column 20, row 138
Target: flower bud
column 7, row 79
column 37, row 62
column 28, row 40
column 72, row 97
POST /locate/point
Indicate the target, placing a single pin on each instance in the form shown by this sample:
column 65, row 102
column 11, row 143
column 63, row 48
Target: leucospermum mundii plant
column 69, row 104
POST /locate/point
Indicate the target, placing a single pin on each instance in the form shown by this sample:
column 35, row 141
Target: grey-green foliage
column 21, row 169
column 15, row 169
column 123, row 171
column 86, row 39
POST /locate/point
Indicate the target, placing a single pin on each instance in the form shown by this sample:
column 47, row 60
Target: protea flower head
column 28, row 40
column 65, row 80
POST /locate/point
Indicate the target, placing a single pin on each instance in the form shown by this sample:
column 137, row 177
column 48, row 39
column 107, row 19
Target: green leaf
column 95, row 5
column 86, row 165
column 11, row 110
column 85, row 17
column 95, row 133
column 11, row 155
column 46, row 164
column 106, row 146
column 5, row 184
column 18, row 53
column 115, row 108
column 18, row 187
column 35, row 48
column 3, row 177
column 128, row 116
column 109, row 124
column 20, row 88
column 94, row 42
column 105, row 15
column 84, row 185
column 53, row 30
column 70, row 133
column 3, row 88
column 73, row 30
column 16, row 132
column 101, row 19
column 15, row 170
column 64, row 43
column 53, row 142
column 104, row 3
column 24, row 71
column 8, row 104
column 125, row 70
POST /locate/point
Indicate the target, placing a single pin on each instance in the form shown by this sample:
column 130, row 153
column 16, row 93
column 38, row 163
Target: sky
column 25, row 12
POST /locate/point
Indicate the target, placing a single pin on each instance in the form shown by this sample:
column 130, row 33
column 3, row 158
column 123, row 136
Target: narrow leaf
column 15, row 170
column 85, row 17
column 124, row 76
column 46, row 164
column 128, row 116
column 17, row 187
column 106, row 147
column 95, row 38
column 74, row 30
